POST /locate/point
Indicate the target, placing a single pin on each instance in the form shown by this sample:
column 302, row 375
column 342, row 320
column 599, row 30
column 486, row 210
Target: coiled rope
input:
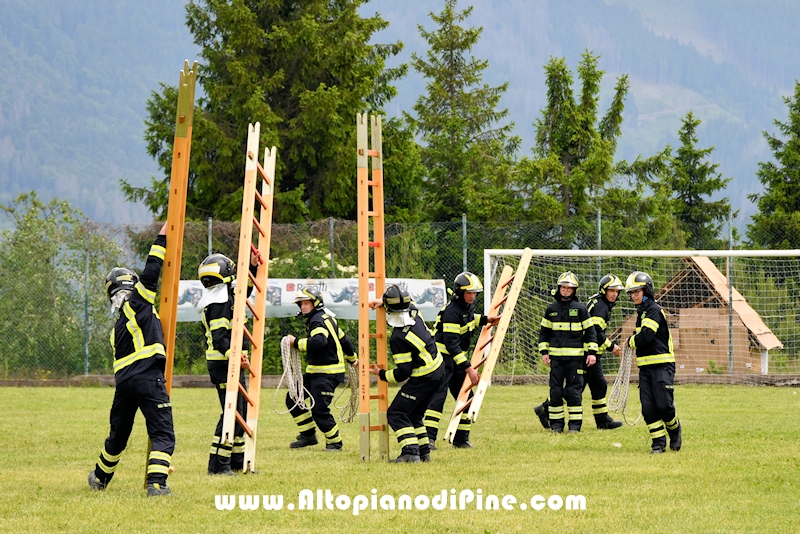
column 349, row 410
column 618, row 398
column 293, row 374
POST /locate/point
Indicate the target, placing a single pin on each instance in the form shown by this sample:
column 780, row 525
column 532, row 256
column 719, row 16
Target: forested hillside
column 76, row 76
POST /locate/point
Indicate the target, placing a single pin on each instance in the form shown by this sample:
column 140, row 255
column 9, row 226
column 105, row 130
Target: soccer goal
column 714, row 342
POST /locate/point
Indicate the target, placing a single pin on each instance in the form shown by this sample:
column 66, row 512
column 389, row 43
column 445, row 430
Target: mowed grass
column 738, row 470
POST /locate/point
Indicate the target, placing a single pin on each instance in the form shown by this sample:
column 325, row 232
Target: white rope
column 349, row 411
column 293, row 374
column 618, row 398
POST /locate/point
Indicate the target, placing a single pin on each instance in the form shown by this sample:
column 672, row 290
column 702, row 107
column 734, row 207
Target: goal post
column 759, row 334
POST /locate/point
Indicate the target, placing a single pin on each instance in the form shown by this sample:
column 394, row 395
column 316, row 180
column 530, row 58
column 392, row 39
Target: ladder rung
column 373, row 275
column 256, row 284
column 242, row 422
column 502, row 301
column 466, row 405
column 263, row 173
column 372, row 182
column 510, row 280
column 252, row 310
column 258, row 225
column 377, row 428
column 373, row 153
column 260, row 199
column 484, row 346
column 374, row 397
column 246, row 395
column 376, row 336
column 250, row 337
column 374, row 243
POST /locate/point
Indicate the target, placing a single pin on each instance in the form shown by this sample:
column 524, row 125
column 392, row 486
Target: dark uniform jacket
column 453, row 330
column 326, row 346
column 652, row 340
column 137, row 337
column 217, row 319
column 414, row 351
column 600, row 312
column 567, row 330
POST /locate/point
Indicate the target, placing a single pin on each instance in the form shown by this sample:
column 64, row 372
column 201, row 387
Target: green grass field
column 738, row 470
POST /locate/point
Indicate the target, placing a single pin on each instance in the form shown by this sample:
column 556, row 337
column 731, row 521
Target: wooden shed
column 696, row 303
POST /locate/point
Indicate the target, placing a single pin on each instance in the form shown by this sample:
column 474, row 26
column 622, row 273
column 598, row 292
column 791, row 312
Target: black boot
column 675, row 438
column 604, row 422
column 304, row 440
column 541, row 413
column 658, row 446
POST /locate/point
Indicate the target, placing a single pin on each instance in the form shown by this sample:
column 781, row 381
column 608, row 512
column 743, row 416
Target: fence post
column 464, row 239
column 333, row 261
column 599, row 245
column 730, row 293
column 210, row 252
column 86, row 305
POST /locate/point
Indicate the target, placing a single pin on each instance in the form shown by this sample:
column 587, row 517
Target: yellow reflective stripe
column 442, row 349
column 650, row 323
column 149, row 296
column 220, row 323
column 215, row 355
column 451, row 328
column 599, row 321
column 587, row 324
column 460, row 358
column 146, row 352
column 571, row 327
column 430, row 367
column 654, row 358
column 319, row 330
column 566, row 351
column 302, row 345
column 157, row 469
column 389, row 376
column 110, row 457
column 606, row 344
column 547, row 324
column 402, row 357
column 158, row 251
column 415, row 340
column 326, row 369
column 160, row 455
column 339, row 350
column 544, row 346
column 111, row 337
column 590, row 346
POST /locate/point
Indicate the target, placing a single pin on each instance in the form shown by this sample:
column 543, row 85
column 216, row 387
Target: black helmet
column 216, row 269
column 466, row 282
column 640, row 280
column 396, row 299
column 568, row 279
column 609, row 281
column 312, row 294
column 120, row 278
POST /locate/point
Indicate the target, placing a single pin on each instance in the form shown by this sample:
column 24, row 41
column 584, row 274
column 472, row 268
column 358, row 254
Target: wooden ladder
column 263, row 224
column 487, row 349
column 373, row 188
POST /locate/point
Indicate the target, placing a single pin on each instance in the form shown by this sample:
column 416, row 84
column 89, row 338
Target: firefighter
column 416, row 359
column 599, row 307
column 453, row 331
column 567, row 343
column 216, row 273
column 326, row 348
column 139, row 362
column 655, row 357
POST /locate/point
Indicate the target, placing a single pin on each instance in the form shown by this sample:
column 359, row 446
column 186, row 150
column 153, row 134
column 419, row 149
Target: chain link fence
column 54, row 315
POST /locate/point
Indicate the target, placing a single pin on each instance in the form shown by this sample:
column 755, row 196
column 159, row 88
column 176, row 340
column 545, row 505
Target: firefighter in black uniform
column 656, row 360
column 453, row 331
column 217, row 273
column 599, row 307
column 567, row 343
column 326, row 348
column 416, row 359
column 139, row 361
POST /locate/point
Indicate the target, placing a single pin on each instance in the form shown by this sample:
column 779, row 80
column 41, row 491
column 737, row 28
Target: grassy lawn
column 739, row 469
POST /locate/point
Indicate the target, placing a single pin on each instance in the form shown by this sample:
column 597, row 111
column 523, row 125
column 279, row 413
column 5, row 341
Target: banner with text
column 339, row 294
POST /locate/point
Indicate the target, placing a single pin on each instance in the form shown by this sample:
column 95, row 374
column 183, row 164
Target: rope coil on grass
column 293, row 374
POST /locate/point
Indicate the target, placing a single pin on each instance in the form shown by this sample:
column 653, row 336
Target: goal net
column 756, row 340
